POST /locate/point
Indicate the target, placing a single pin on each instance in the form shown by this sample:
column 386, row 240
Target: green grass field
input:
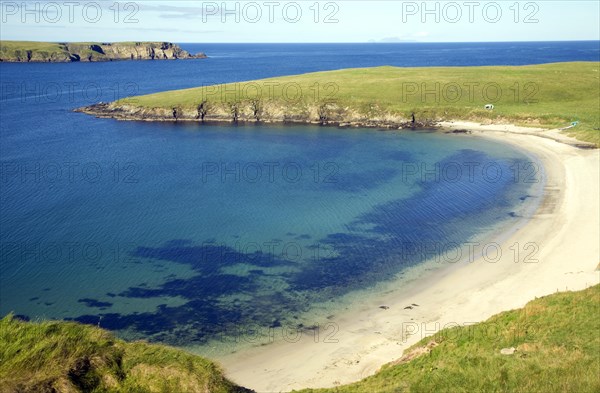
column 30, row 45
column 70, row 357
column 547, row 96
column 558, row 350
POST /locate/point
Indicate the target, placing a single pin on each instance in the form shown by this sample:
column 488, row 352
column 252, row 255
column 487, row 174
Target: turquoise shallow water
column 204, row 230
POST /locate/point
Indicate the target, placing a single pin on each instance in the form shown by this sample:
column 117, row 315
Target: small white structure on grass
column 489, row 107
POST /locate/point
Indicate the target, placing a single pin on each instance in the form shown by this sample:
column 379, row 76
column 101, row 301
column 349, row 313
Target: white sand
column 566, row 228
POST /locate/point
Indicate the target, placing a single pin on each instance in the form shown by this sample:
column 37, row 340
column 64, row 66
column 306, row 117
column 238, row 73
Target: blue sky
column 300, row 21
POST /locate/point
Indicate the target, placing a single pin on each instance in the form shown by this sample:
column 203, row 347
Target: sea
column 187, row 234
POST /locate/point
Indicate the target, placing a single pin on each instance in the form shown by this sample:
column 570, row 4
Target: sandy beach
column 560, row 239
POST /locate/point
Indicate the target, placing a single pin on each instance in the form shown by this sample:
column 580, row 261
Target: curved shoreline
column 565, row 228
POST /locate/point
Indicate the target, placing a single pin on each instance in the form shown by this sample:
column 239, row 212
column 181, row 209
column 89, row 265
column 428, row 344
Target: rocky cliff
column 23, row 51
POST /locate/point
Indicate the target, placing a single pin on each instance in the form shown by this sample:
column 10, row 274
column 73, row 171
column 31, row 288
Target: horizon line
column 314, row 42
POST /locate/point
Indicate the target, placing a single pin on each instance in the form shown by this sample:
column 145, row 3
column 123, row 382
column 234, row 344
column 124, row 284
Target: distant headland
column 65, row 52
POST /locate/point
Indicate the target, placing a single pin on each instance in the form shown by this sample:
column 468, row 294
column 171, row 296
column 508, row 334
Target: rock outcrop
column 14, row 51
column 245, row 112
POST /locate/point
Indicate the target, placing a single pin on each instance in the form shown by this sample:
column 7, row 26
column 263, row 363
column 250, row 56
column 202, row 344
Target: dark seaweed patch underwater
column 231, row 289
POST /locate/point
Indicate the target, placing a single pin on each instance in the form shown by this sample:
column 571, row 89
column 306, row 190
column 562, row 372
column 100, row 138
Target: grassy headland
column 545, row 96
column 33, row 51
column 70, row 357
column 556, row 340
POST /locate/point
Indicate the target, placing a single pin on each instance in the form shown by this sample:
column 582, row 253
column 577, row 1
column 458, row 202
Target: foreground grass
column 557, row 341
column 558, row 350
column 70, row 357
column 547, row 96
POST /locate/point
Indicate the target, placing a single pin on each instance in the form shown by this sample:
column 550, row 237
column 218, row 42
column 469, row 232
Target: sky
column 300, row 21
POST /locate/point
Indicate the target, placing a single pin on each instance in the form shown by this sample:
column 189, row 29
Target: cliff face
column 15, row 51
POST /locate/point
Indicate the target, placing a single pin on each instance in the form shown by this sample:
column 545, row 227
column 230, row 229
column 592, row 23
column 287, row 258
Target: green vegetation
column 557, row 339
column 7, row 46
column 547, row 96
column 36, row 51
column 69, row 357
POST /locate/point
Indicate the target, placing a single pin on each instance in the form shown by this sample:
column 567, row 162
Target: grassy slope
column 558, row 350
column 557, row 339
column 69, row 357
column 30, row 45
column 548, row 95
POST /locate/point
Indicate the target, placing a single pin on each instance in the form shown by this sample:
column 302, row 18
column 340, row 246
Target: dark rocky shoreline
column 109, row 111
column 332, row 118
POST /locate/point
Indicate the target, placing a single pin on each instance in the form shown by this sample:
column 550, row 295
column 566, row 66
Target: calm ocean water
column 176, row 233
